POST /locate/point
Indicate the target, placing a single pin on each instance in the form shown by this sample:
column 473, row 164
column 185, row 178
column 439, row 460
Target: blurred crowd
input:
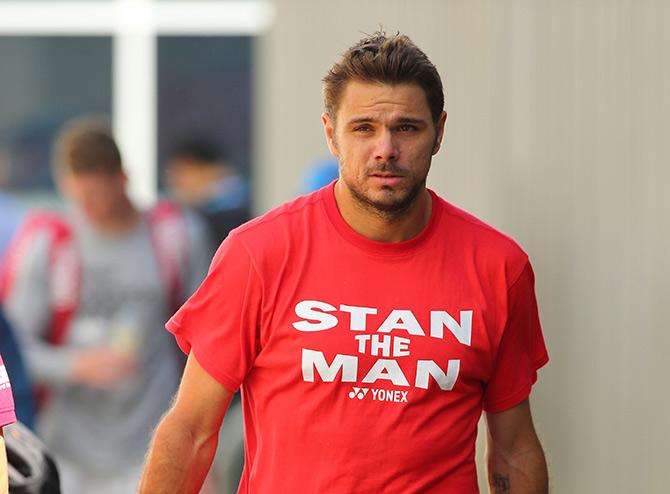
column 85, row 292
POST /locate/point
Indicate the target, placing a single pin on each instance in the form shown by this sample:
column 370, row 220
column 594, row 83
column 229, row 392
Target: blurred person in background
column 199, row 176
column 22, row 386
column 7, row 416
column 87, row 293
column 10, row 215
column 10, row 220
column 369, row 323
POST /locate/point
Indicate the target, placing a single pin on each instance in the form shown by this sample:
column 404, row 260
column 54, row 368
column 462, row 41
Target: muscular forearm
column 517, row 472
column 178, row 460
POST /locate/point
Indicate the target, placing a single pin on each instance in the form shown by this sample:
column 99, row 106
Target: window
column 50, row 80
column 204, row 90
column 122, row 57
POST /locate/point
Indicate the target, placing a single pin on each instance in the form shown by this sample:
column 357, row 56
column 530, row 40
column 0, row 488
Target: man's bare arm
column 515, row 459
column 185, row 441
column 4, row 481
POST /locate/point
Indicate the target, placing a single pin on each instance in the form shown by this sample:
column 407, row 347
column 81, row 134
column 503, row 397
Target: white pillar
column 134, row 97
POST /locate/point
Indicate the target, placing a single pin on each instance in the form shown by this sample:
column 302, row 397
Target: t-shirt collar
column 373, row 246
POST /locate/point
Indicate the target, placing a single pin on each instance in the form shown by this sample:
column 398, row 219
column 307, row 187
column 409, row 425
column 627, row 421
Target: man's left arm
column 514, row 455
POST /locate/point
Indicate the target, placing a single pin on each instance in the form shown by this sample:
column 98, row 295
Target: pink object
column 7, row 415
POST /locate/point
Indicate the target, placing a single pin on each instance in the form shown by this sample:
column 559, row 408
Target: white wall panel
column 558, row 135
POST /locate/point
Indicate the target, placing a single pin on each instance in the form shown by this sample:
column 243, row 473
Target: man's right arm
column 186, row 439
column 27, row 306
column 26, row 302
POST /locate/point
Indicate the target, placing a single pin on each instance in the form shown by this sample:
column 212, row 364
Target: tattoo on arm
column 501, row 484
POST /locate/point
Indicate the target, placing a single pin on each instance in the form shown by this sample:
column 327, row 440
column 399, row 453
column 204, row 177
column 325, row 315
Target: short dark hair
column 388, row 60
column 200, row 149
column 86, row 145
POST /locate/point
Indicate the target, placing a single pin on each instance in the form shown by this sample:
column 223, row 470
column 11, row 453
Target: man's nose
column 386, row 149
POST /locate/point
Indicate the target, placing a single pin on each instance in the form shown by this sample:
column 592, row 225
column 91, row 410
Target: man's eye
column 406, row 128
column 363, row 128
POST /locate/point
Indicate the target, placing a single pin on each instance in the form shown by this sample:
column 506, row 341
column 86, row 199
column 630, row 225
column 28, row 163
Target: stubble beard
column 386, row 210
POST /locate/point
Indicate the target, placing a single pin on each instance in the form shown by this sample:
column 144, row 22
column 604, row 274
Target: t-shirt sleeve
column 220, row 322
column 521, row 351
column 7, row 414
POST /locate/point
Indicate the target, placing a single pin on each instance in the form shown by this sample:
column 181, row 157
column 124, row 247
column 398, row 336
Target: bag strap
column 168, row 234
column 64, row 268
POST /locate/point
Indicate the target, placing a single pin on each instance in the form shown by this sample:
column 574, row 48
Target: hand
column 102, row 367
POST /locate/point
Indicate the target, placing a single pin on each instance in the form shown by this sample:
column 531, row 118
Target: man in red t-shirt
column 368, row 324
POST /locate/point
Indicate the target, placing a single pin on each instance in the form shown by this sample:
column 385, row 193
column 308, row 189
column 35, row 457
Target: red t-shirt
column 365, row 366
column 7, row 415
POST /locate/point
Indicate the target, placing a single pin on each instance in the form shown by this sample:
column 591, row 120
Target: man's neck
column 124, row 219
column 383, row 228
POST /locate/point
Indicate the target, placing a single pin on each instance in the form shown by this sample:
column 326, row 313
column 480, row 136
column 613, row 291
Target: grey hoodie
column 124, row 304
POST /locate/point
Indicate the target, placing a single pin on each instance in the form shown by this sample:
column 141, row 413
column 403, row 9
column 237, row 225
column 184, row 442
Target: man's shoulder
column 43, row 228
column 474, row 232
column 290, row 217
column 47, row 219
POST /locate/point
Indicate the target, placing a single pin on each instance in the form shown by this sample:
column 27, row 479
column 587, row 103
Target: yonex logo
column 393, row 396
column 358, row 393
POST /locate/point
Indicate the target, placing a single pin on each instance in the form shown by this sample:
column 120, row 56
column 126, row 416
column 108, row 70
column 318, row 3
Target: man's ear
column 124, row 179
column 440, row 132
column 329, row 129
column 62, row 182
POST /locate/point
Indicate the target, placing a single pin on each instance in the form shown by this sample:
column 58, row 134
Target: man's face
column 184, row 179
column 98, row 195
column 384, row 137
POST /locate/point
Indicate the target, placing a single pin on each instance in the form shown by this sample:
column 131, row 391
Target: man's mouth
column 385, row 174
column 386, row 179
